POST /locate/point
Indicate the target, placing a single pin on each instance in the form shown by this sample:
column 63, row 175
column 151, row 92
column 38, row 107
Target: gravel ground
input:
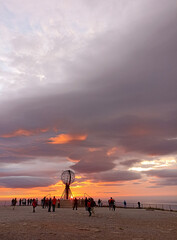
column 133, row 224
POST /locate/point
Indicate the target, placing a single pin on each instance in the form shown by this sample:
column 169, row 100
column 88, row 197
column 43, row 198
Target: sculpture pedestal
column 66, row 203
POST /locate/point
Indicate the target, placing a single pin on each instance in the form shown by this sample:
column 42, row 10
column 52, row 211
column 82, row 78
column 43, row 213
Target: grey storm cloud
column 166, row 177
column 110, row 177
column 130, row 162
column 25, row 172
column 94, row 162
column 166, row 173
column 26, row 182
column 116, row 84
column 115, row 175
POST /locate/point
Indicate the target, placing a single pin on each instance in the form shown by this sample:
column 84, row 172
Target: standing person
column 114, row 206
column 46, row 202
column 82, row 202
column 34, row 204
column 139, row 205
column 99, row 203
column 14, row 202
column 125, row 204
column 53, row 203
column 49, row 205
column 75, row 203
column 43, row 203
column 111, row 202
column 58, row 203
column 86, row 207
column 89, row 207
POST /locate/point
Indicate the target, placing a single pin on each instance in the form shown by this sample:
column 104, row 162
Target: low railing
column 158, row 206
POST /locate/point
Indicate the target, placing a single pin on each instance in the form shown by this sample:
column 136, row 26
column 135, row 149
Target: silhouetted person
column 99, row 203
column 75, row 203
column 54, row 200
column 14, row 202
column 139, row 205
column 20, row 202
column 43, row 202
column 24, row 201
column 34, row 204
column 86, row 200
column 49, row 205
column 125, row 204
column 58, row 203
column 46, row 202
column 82, row 202
column 89, row 207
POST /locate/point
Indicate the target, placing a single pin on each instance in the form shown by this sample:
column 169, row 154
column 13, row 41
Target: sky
column 89, row 86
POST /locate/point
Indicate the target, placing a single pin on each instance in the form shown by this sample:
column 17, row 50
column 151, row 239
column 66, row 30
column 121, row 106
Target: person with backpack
column 54, row 203
column 34, row 204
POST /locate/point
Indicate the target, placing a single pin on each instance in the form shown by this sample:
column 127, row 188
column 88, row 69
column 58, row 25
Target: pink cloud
column 24, row 132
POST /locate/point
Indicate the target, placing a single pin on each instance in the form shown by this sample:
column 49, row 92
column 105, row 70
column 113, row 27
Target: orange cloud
column 94, row 149
column 73, row 160
column 24, row 132
column 111, row 151
column 66, row 138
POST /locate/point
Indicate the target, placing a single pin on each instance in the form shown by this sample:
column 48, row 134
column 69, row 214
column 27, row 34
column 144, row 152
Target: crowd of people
column 51, row 203
column 26, row 202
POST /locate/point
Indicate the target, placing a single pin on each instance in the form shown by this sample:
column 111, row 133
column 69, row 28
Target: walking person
column 34, row 204
column 93, row 204
column 89, row 207
column 49, row 205
column 54, row 200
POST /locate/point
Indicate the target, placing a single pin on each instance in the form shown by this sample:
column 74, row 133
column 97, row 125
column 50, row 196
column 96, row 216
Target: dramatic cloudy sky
column 89, row 86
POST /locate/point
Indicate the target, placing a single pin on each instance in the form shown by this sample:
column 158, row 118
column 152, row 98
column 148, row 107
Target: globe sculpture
column 67, row 178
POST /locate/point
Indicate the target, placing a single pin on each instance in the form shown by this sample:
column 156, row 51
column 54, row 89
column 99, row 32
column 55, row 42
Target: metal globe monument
column 67, row 178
